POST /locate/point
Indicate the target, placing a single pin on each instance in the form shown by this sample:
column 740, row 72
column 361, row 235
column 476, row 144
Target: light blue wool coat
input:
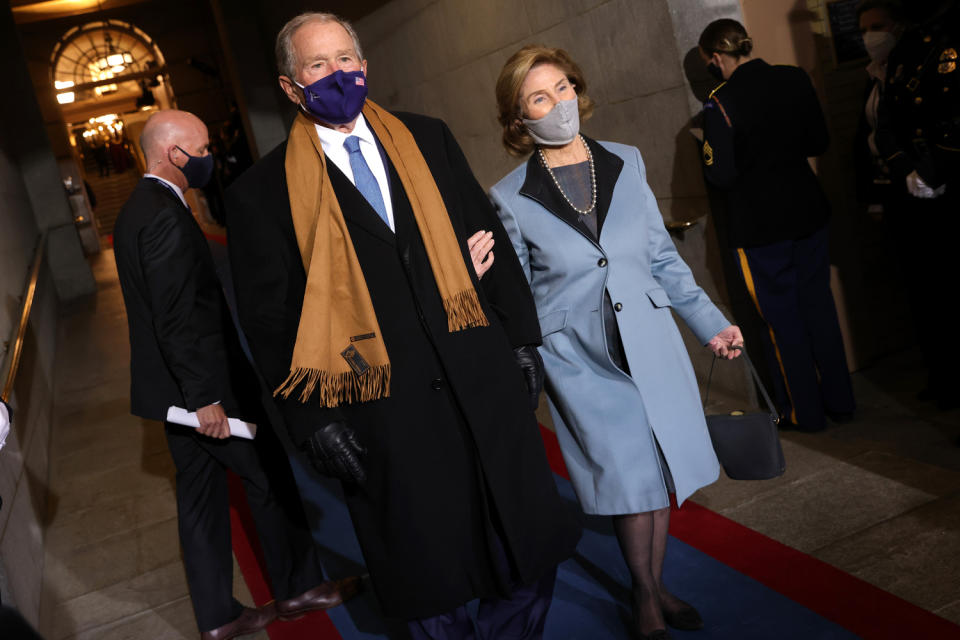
column 608, row 423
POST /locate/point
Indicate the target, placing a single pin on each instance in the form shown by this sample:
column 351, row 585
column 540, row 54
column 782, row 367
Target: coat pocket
column 552, row 322
column 659, row 297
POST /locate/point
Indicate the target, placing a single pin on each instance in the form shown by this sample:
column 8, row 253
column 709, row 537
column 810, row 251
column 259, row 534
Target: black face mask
column 198, row 169
column 715, row 71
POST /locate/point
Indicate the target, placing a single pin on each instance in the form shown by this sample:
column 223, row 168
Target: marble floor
column 878, row 498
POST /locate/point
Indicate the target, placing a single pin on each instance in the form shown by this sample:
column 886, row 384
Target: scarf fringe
column 338, row 388
column 464, row 311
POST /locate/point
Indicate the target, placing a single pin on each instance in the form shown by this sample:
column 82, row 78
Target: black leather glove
column 532, row 365
column 334, row 451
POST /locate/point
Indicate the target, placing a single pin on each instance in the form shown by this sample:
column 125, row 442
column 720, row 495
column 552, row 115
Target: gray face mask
column 559, row 127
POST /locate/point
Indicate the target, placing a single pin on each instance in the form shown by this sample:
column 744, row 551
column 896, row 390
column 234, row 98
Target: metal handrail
column 25, row 307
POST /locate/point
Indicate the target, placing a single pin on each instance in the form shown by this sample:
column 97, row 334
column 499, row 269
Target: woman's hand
column 480, row 245
column 727, row 343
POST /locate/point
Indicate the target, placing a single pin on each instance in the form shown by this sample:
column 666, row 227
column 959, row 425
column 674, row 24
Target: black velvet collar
column 540, row 187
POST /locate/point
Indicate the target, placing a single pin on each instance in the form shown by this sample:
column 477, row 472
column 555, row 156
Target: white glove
column 919, row 189
column 4, row 423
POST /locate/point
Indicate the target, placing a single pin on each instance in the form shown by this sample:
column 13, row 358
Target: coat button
column 602, row 262
column 618, row 307
column 437, row 384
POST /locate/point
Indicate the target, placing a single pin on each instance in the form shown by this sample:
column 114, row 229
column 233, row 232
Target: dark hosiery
column 643, row 542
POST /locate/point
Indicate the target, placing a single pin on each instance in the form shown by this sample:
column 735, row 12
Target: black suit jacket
column 183, row 345
column 759, row 129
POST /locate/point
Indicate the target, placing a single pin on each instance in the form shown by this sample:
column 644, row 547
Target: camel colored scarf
column 340, row 351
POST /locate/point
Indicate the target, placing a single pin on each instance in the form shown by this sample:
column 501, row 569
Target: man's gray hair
column 287, row 57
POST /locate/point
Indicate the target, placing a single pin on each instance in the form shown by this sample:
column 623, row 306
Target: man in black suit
column 444, row 470
column 185, row 353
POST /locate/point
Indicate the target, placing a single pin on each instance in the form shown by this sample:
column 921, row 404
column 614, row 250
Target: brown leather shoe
column 249, row 621
column 324, row 596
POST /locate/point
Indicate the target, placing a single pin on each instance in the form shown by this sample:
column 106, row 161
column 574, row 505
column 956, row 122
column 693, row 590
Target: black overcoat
column 454, row 451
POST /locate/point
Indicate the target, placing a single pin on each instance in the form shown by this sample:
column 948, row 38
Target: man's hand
column 532, row 365
column 213, row 422
column 335, row 451
column 727, row 343
column 480, row 245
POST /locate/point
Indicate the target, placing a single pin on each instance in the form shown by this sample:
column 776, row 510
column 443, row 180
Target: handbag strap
column 756, row 377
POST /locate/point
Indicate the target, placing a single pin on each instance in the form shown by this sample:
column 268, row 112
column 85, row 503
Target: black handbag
column 747, row 444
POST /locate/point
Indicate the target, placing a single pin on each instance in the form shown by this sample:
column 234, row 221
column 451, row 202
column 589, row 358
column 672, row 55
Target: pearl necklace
column 593, row 180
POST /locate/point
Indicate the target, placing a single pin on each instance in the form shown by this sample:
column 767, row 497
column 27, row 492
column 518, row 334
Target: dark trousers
column 203, row 514
column 790, row 284
column 518, row 617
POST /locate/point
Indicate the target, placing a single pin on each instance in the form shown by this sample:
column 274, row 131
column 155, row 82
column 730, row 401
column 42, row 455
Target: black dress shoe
column 656, row 634
column 249, row 621
column 685, row 619
column 324, row 596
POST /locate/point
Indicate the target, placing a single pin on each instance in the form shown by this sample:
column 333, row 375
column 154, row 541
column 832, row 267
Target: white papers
column 238, row 427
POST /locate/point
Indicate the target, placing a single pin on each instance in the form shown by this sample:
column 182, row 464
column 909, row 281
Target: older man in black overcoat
column 446, row 477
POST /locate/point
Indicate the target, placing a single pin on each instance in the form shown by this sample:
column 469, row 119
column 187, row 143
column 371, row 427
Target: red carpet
column 246, row 548
column 839, row 597
column 856, row 605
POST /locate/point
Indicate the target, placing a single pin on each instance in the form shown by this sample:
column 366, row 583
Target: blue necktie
column 363, row 178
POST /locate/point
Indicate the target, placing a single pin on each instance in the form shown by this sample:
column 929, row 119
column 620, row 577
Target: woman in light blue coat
column 605, row 275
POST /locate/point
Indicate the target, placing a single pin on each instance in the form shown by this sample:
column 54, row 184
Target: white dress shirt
column 177, row 190
column 332, row 142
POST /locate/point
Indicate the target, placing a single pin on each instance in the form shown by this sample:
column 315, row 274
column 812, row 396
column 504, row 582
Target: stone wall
column 27, row 173
column 23, row 461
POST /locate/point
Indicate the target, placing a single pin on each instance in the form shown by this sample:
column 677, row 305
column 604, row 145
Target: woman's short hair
column 516, row 139
column 726, row 36
column 894, row 9
column 287, row 57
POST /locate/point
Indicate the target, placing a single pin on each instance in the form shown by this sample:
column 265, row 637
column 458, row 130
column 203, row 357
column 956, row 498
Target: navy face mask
column 337, row 98
column 198, row 169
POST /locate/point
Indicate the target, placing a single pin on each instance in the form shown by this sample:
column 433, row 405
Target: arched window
column 104, row 58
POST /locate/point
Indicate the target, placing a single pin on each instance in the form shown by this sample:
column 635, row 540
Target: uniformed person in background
column 918, row 135
column 882, row 22
column 760, row 126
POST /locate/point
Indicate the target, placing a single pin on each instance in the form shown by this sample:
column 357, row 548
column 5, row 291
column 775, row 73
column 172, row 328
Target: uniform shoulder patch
column 707, row 154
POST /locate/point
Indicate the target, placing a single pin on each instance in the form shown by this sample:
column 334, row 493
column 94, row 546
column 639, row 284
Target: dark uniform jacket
column 183, row 346
column 919, row 119
column 759, row 129
column 455, row 448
